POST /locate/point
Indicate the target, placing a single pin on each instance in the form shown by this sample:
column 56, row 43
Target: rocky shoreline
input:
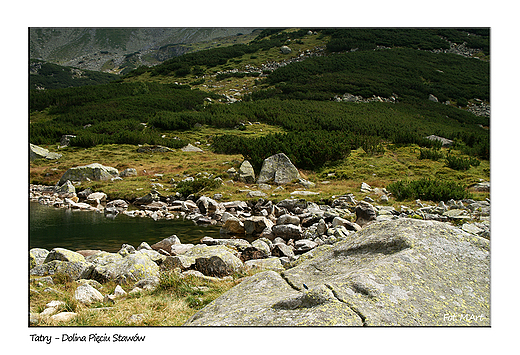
column 288, row 233
column 283, row 231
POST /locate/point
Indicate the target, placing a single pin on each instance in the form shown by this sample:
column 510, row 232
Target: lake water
column 51, row 227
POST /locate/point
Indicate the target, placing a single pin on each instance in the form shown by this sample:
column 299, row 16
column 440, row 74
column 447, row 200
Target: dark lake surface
column 51, row 227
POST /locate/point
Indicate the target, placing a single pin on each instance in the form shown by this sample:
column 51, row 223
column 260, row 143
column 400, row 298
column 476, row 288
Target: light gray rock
column 304, row 193
column 395, row 273
column 209, row 206
column 307, row 184
column 246, row 172
column 191, row 148
column 233, row 225
column 446, row 143
column 64, row 255
column 285, row 50
column 287, row 231
column 256, row 194
column 238, row 244
column 87, row 294
column 304, row 245
column 128, row 269
column 281, row 250
column 365, row 187
column 73, row 269
column 288, row 219
column 63, row 317
column 256, row 224
column 216, row 261
column 338, row 221
column 272, row 263
column 166, row 243
column 37, row 256
column 66, row 188
column 93, row 172
column 179, row 249
column 97, row 197
column 128, row 172
column 365, row 213
column 36, row 152
column 278, row 169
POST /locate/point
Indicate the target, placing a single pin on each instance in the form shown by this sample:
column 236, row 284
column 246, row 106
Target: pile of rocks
column 358, row 98
column 480, row 108
column 270, row 66
column 459, row 49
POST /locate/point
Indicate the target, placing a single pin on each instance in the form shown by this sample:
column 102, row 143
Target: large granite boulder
column 393, row 273
column 36, row 152
column 278, row 169
column 93, row 171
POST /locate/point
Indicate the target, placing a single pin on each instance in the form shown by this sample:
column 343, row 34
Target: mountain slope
column 43, row 75
column 104, row 49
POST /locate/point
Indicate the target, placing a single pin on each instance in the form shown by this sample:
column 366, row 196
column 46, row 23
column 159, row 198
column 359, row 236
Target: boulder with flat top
column 402, row 272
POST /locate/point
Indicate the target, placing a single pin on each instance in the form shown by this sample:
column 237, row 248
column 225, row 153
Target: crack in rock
column 348, row 304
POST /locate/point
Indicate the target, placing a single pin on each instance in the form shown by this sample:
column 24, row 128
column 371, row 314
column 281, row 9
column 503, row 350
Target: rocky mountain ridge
column 114, row 49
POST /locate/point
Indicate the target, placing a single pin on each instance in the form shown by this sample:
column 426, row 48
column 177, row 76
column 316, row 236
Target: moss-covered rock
column 131, row 268
column 74, row 269
column 64, row 255
column 393, row 273
column 266, row 299
column 37, row 256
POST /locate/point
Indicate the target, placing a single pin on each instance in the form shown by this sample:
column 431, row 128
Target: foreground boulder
column 278, row 169
column 93, row 171
column 393, row 273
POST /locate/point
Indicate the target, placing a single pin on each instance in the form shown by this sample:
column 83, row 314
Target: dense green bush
column 461, row 163
column 428, row 190
column 432, row 154
column 307, row 150
column 186, row 188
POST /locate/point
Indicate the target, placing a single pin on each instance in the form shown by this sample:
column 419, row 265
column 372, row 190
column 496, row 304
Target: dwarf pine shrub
column 432, row 154
column 460, row 163
column 428, row 190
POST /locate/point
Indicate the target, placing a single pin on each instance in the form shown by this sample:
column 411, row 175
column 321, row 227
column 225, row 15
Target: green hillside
column 296, row 96
column 43, row 75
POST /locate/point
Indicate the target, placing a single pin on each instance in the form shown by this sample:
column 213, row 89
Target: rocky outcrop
column 93, row 171
column 36, row 152
column 393, row 273
column 446, row 143
column 278, row 169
